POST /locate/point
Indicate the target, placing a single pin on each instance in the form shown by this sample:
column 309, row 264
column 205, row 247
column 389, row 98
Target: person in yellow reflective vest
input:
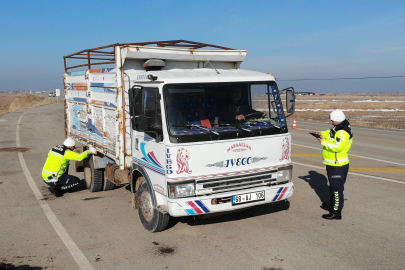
column 336, row 144
column 55, row 171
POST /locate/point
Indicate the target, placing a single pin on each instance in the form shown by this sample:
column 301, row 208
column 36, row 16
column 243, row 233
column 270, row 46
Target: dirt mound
column 15, row 102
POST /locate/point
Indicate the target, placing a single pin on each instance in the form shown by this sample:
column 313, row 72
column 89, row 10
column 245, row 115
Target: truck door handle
column 136, row 144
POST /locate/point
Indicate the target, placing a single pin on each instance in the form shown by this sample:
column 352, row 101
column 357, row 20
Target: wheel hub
column 146, row 205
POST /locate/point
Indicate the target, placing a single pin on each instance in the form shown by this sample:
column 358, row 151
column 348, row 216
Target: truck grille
column 235, row 182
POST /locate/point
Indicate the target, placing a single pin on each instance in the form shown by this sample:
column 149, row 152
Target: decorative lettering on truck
column 159, row 189
column 285, row 149
column 239, row 147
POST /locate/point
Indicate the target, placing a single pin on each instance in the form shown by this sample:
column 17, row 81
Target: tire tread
column 97, row 178
column 107, row 184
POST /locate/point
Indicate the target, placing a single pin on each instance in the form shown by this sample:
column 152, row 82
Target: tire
column 107, row 184
column 151, row 219
column 94, row 177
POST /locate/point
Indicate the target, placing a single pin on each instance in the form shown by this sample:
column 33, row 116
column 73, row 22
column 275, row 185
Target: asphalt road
column 101, row 231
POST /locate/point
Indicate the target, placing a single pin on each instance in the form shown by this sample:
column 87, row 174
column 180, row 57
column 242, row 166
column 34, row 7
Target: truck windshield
column 197, row 112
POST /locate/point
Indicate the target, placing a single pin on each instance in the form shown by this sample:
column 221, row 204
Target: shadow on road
column 231, row 216
column 319, row 183
column 9, row 266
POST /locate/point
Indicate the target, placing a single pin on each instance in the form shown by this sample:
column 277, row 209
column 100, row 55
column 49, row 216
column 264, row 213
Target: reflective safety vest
column 58, row 160
column 335, row 149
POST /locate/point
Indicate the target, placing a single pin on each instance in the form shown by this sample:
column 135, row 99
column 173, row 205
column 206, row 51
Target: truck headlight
column 181, row 190
column 284, row 174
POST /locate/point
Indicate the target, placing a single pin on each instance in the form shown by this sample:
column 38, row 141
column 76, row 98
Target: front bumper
column 204, row 204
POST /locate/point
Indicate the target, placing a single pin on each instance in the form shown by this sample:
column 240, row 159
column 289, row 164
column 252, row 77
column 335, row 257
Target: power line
column 335, row 79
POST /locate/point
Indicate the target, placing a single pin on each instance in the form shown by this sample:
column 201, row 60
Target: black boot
column 333, row 215
column 327, row 207
column 55, row 191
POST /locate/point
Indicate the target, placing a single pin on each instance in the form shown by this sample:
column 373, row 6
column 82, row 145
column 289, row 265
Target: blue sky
column 292, row 39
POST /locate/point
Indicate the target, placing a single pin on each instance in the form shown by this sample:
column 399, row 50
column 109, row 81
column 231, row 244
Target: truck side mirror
column 290, row 100
column 137, row 102
column 140, row 123
column 135, row 96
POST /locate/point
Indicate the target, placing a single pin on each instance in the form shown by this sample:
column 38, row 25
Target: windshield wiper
column 201, row 127
column 238, row 126
column 267, row 123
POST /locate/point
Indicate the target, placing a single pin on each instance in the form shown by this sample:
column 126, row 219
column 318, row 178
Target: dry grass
column 15, row 102
column 361, row 109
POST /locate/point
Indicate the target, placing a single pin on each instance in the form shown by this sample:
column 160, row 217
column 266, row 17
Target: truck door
column 147, row 146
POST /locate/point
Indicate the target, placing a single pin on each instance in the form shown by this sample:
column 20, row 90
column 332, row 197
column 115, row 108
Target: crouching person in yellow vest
column 55, row 171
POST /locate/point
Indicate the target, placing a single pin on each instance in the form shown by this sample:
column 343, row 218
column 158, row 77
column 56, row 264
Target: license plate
column 248, row 197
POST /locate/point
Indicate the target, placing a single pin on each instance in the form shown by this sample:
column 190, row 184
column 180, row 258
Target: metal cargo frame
column 105, row 55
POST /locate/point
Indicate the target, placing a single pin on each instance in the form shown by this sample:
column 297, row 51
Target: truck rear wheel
column 107, row 185
column 152, row 219
column 93, row 177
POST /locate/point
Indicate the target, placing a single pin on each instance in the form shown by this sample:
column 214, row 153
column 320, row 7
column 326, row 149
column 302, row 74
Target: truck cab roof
column 202, row 75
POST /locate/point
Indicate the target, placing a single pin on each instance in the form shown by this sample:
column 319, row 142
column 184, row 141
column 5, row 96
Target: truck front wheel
column 152, row 219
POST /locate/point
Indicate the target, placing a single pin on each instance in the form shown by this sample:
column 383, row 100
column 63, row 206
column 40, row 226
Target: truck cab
column 191, row 136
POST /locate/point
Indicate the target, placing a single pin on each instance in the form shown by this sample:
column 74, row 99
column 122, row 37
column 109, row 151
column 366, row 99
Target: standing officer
column 56, row 167
column 336, row 144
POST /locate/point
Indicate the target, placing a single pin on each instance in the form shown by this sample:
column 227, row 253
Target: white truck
column 177, row 121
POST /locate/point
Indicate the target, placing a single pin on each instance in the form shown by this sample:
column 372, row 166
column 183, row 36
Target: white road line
column 358, row 174
column 79, row 257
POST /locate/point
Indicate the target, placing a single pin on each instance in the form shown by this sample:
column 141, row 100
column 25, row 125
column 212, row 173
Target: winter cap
column 337, row 116
column 69, row 142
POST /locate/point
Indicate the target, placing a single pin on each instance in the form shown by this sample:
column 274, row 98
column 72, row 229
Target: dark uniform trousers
column 65, row 181
column 337, row 178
